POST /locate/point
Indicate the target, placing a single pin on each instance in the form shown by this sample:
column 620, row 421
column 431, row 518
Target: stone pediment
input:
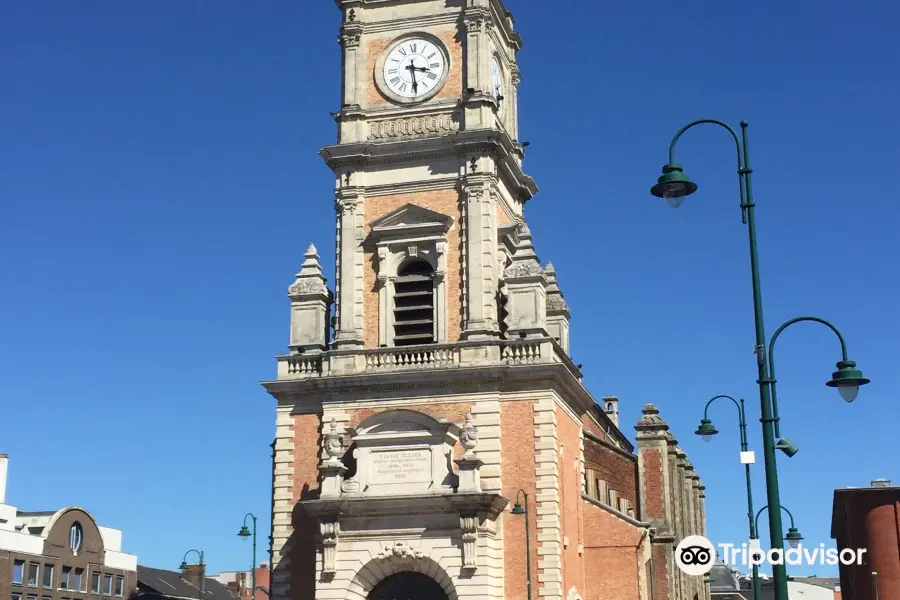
column 411, row 220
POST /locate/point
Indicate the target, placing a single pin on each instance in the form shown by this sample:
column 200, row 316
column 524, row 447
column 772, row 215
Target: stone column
column 349, row 207
column 480, row 240
column 479, row 101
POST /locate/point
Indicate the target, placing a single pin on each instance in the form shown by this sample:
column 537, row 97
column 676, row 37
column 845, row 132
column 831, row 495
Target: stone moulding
column 413, row 126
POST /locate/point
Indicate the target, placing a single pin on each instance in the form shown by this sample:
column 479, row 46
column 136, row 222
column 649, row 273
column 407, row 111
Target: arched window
column 76, row 537
column 414, row 304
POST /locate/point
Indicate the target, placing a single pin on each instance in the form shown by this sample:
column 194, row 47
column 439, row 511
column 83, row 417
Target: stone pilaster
column 651, row 433
column 283, row 501
column 349, row 265
column 479, row 101
column 310, row 307
column 486, row 416
column 548, row 509
column 480, row 242
column 557, row 310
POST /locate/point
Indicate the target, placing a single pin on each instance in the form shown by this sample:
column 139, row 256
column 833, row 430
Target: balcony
column 460, row 355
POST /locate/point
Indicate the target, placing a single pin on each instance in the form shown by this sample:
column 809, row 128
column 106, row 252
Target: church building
column 434, row 438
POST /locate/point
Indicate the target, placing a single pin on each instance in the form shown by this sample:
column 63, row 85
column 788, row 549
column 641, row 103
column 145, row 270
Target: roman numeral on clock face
column 402, row 51
column 395, row 80
column 402, row 87
column 431, row 75
column 412, row 47
column 434, row 65
column 392, row 71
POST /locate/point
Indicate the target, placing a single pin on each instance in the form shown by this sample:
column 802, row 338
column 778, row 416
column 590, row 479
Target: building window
column 15, row 596
column 33, row 574
column 65, row 578
column 414, row 304
column 18, row 572
column 32, row 596
column 120, row 585
column 78, row 580
column 48, row 576
column 95, row 583
column 76, row 537
column 107, row 585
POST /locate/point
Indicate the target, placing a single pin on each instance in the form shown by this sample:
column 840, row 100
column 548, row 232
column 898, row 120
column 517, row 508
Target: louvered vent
column 414, row 304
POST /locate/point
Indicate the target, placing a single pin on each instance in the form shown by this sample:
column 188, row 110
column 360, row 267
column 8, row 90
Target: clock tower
column 430, row 429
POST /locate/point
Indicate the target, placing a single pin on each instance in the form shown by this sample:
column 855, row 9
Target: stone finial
column 525, row 262
column 556, row 304
column 310, row 280
column 332, row 442
column 650, row 420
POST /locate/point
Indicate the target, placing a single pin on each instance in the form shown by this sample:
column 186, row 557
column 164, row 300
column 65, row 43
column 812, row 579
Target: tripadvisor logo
column 695, row 555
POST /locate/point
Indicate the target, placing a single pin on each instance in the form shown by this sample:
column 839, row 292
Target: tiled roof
column 159, row 583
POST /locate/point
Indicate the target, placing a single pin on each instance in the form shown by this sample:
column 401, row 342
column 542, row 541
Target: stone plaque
column 401, row 466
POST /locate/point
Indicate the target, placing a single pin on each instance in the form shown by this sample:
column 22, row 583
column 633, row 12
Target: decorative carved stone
column 330, row 531
column 469, row 436
column 400, row 551
column 333, row 443
column 412, row 127
column 469, row 526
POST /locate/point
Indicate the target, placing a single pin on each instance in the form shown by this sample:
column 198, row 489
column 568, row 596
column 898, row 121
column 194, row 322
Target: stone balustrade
column 430, row 356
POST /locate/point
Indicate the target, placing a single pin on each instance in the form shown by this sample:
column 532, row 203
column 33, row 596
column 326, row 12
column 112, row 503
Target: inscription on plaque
column 402, row 466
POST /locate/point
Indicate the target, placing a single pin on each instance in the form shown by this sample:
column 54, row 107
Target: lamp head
column 184, row 566
column 847, row 379
column 706, row 430
column 517, row 509
column 793, row 537
column 786, row 446
column 244, row 532
column 673, row 185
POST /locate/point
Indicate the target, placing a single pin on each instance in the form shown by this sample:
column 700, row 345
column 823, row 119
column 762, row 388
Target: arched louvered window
column 414, row 304
column 76, row 537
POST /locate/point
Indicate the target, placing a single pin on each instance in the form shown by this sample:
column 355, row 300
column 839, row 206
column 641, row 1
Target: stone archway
column 407, row 585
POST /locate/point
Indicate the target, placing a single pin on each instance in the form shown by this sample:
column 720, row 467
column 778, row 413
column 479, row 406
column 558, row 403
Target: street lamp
column 706, row 431
column 202, row 568
column 674, row 186
column 518, row 510
column 793, row 536
column 244, row 533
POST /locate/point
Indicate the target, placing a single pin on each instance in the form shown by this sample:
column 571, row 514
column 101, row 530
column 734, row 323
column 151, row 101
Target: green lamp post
column 674, row 186
column 202, row 566
column 519, row 510
column 245, row 533
column 706, row 431
column 793, row 536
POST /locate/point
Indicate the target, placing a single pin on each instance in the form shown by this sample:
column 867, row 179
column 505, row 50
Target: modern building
column 439, row 442
column 240, row 583
column 867, row 518
column 190, row 584
column 60, row 555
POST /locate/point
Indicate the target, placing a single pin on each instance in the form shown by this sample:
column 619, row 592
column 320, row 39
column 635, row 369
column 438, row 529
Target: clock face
column 497, row 83
column 414, row 69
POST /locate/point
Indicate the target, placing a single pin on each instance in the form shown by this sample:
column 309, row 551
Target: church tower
column 430, row 422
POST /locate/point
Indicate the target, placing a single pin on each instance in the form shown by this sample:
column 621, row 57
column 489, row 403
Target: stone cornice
column 598, row 440
column 614, row 512
column 387, row 506
column 484, row 141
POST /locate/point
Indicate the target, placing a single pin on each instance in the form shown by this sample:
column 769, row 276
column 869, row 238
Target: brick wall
column 517, row 456
column 615, row 468
column 442, row 201
column 612, row 555
column 307, row 430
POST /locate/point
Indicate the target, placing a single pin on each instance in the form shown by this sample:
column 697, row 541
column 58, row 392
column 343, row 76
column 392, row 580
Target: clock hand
column 411, row 67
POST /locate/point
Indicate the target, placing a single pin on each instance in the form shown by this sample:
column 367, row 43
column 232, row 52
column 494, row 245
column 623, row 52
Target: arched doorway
column 408, row 585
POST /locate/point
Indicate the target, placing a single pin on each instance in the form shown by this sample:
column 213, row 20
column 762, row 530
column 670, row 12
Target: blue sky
column 159, row 183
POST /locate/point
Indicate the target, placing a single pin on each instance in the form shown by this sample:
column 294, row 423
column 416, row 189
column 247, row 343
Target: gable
column 411, row 219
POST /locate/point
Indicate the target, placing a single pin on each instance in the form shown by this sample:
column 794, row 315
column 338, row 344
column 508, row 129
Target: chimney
column 611, row 408
column 194, row 574
column 4, row 468
column 881, row 483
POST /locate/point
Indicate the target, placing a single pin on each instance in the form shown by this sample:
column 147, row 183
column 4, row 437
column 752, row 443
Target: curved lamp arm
column 756, row 521
column 184, row 560
column 742, row 169
column 742, row 421
column 252, row 516
column 771, row 358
